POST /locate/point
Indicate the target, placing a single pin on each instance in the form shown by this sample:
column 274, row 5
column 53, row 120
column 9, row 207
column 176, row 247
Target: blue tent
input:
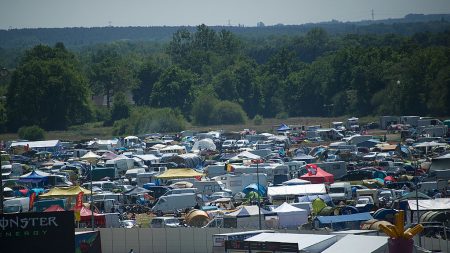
column 340, row 221
column 34, row 177
column 283, row 127
column 261, row 190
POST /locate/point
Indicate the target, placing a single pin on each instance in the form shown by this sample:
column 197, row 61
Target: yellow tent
column 62, row 192
column 179, row 173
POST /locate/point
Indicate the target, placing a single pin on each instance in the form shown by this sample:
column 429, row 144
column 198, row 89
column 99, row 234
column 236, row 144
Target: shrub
column 258, row 120
column 146, row 120
column 282, row 115
column 226, row 112
column 32, row 133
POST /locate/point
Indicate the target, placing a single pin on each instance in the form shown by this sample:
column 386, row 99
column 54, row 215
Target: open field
column 96, row 130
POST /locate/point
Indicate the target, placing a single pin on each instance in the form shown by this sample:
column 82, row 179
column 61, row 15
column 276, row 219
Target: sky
column 98, row 13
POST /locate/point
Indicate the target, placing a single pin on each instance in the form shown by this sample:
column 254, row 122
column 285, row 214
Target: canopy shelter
column 316, row 175
column 91, row 157
column 33, row 177
column 290, row 216
column 63, row 192
column 299, row 190
column 283, row 128
column 296, row 181
column 179, row 173
column 86, row 216
column 54, row 208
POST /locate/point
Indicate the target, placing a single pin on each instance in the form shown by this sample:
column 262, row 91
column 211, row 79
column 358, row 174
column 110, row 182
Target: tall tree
column 47, row 89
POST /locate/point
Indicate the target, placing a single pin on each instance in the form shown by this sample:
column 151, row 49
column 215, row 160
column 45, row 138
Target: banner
column 38, row 232
column 32, row 199
column 79, row 201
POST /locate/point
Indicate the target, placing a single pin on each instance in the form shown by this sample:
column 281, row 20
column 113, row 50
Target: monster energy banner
column 37, row 232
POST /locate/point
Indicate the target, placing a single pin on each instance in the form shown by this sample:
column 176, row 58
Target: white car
column 242, row 143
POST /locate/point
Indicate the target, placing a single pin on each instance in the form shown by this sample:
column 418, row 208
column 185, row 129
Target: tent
column 245, row 155
column 63, row 192
column 54, row 208
column 292, row 190
column 204, row 144
column 261, row 190
column 86, row 216
column 320, row 176
column 91, row 157
column 342, row 221
column 179, row 173
column 430, row 204
column 246, row 217
column 290, row 216
column 32, row 177
column 296, row 181
column 283, row 128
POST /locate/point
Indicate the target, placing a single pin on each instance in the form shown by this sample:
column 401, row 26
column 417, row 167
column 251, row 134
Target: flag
column 79, row 201
column 32, row 199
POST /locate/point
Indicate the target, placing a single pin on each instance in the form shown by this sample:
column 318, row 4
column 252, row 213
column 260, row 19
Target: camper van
column 121, row 164
column 209, row 187
column 340, row 191
column 237, row 183
column 173, row 202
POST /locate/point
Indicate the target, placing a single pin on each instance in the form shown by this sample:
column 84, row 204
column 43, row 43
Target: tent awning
column 305, row 189
column 65, row 192
column 179, row 173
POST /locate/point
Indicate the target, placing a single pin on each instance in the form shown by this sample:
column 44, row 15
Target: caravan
column 237, row 183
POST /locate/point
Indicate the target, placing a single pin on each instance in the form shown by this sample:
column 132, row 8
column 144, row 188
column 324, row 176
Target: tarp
column 179, row 173
column 320, row 176
column 430, row 204
column 290, row 216
column 283, row 127
column 32, row 177
column 344, row 218
column 71, row 191
column 306, row 189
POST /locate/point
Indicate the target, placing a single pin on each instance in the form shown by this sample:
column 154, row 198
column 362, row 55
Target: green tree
column 48, row 89
column 147, row 76
column 31, row 133
column 121, row 107
column 203, row 107
column 227, row 112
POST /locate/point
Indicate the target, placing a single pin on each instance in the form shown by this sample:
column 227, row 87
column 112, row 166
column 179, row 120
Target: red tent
column 85, row 217
column 54, row 208
column 317, row 176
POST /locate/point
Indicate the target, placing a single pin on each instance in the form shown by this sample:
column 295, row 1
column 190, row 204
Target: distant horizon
column 230, row 25
column 23, row 14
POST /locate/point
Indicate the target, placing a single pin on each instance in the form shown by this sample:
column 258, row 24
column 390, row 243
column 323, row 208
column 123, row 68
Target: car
column 165, row 222
column 127, row 223
column 242, row 143
column 229, row 144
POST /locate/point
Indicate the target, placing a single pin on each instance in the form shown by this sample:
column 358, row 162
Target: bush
column 146, row 120
column 32, row 133
column 282, row 115
column 258, row 120
column 203, row 108
column 226, row 112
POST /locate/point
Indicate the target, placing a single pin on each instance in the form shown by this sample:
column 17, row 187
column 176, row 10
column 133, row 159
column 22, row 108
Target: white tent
column 430, row 204
column 359, row 244
column 290, row 216
column 247, row 217
column 292, row 190
column 296, row 181
column 204, row 144
column 245, row 155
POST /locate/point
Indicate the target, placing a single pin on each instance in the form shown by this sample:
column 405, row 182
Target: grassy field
column 97, row 130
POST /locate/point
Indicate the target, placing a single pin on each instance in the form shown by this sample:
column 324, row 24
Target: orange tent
column 317, row 176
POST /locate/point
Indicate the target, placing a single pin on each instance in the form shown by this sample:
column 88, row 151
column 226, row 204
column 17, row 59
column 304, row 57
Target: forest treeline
column 209, row 77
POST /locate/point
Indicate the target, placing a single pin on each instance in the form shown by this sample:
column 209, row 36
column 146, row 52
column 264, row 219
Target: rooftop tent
column 204, row 144
column 316, row 175
column 283, row 127
column 296, row 181
column 179, row 173
column 32, row 177
column 359, row 243
column 290, row 216
column 60, row 192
